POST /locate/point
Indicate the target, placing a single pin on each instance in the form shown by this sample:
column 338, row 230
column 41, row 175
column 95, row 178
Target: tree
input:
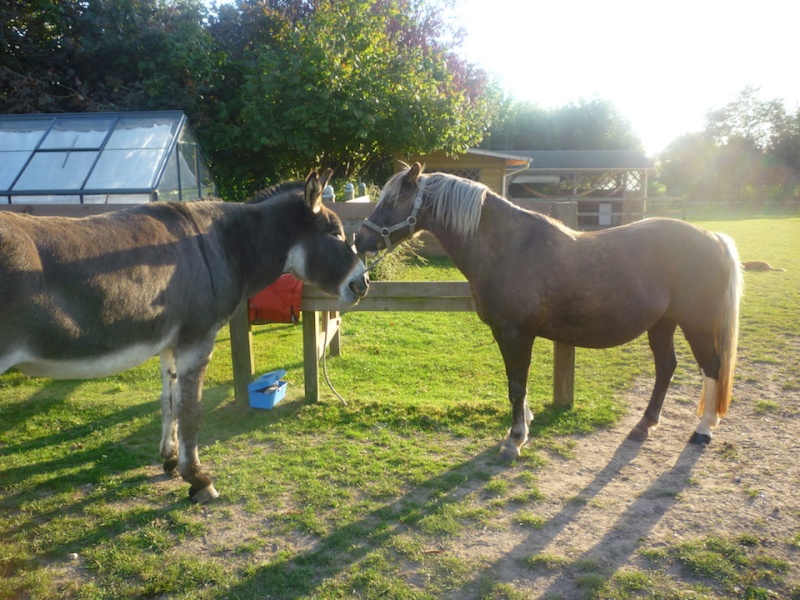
column 272, row 87
column 344, row 84
column 749, row 149
column 102, row 55
column 583, row 125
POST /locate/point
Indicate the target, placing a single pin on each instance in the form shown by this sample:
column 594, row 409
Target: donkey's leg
column 169, row 415
column 662, row 343
column 191, row 366
column 705, row 352
column 516, row 349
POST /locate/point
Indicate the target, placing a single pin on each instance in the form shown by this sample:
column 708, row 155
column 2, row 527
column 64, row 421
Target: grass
column 334, row 501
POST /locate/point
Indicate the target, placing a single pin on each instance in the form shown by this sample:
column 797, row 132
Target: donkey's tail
column 727, row 332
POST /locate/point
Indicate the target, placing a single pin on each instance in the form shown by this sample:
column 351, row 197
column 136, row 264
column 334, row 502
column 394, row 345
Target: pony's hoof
column 638, row 435
column 701, row 439
column 509, row 451
column 207, row 494
column 170, row 465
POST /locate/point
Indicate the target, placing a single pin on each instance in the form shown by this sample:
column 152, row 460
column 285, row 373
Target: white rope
column 325, row 367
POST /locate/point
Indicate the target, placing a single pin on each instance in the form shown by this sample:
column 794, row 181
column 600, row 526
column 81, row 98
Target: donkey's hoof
column 207, row 494
column 701, row 439
column 170, row 465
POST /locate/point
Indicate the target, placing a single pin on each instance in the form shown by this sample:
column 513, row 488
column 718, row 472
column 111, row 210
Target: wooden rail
column 322, row 313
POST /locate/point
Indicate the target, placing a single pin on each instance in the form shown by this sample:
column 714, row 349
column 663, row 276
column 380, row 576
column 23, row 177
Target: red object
column 277, row 303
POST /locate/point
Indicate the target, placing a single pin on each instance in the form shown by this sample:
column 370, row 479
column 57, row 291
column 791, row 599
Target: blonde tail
column 727, row 333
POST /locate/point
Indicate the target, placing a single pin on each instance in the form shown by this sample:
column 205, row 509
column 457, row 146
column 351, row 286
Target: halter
column 386, row 232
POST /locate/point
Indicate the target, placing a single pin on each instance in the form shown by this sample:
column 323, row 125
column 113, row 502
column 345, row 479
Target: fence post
column 328, row 195
column 563, row 375
column 566, row 211
column 311, row 354
column 241, row 354
column 349, row 191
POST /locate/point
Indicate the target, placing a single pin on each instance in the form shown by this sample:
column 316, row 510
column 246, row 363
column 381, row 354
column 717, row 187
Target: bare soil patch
column 615, row 499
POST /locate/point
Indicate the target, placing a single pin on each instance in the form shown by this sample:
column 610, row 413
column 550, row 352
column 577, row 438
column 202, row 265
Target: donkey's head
column 321, row 254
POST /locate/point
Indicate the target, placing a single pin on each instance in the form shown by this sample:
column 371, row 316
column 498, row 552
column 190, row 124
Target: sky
column 663, row 64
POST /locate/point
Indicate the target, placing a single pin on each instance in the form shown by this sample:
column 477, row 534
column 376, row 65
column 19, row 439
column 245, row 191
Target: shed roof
column 584, row 160
column 100, row 158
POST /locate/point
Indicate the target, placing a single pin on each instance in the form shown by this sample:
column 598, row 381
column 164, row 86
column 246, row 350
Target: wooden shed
column 608, row 187
column 488, row 167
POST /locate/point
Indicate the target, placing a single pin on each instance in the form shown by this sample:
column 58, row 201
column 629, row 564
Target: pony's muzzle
column 367, row 243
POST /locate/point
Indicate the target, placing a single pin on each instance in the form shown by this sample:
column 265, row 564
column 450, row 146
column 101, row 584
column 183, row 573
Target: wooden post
column 566, row 211
column 563, row 375
column 241, row 354
column 311, row 354
column 332, row 323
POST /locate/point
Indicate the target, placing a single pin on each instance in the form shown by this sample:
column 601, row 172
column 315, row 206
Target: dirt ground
column 612, row 500
column 616, row 497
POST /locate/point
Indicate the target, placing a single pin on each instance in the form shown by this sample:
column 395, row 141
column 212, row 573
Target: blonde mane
column 454, row 202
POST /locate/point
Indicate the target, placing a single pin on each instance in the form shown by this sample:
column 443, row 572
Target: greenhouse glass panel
column 10, row 165
column 46, row 199
column 142, row 133
column 78, row 133
column 56, row 171
column 125, row 169
column 16, row 136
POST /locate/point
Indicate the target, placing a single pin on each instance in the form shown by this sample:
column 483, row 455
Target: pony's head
column 411, row 202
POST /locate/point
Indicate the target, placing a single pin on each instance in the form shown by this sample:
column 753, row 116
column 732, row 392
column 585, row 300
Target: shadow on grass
column 88, row 473
column 304, row 574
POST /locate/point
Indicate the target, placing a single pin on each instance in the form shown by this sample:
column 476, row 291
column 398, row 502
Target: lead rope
column 325, row 368
column 325, row 335
column 385, row 232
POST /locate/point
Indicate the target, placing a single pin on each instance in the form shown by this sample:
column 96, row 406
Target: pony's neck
column 471, row 253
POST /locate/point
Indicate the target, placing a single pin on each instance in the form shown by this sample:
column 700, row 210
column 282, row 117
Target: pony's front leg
column 191, row 365
column 516, row 349
column 169, row 416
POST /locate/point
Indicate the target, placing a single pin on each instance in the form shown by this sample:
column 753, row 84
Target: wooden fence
column 322, row 319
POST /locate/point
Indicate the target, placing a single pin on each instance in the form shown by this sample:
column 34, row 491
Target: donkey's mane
column 454, row 202
column 276, row 190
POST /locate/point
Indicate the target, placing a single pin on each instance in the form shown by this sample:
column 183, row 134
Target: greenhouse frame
column 101, row 158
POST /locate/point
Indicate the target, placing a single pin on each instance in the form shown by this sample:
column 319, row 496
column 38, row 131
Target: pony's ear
column 413, row 173
column 326, row 177
column 313, row 190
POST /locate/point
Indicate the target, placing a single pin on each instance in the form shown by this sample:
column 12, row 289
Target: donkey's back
column 88, row 297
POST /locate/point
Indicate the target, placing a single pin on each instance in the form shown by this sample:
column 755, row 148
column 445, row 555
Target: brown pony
column 532, row 276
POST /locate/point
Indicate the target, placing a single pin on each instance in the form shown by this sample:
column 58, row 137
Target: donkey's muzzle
column 360, row 285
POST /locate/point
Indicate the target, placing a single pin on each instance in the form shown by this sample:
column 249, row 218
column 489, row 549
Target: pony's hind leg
column 662, row 343
column 704, row 350
column 709, row 418
column 169, row 415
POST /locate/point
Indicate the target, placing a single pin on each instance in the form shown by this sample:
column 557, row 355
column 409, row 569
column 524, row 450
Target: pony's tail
column 727, row 331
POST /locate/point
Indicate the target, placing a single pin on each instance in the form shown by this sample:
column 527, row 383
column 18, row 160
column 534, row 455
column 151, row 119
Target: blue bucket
column 266, row 391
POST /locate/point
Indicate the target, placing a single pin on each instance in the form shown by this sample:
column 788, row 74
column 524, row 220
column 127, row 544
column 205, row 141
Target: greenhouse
column 101, row 158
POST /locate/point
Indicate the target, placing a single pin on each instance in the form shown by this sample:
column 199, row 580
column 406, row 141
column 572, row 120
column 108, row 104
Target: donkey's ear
column 313, row 191
column 413, row 173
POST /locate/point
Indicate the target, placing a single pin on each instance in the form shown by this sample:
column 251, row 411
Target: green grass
column 334, row 501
